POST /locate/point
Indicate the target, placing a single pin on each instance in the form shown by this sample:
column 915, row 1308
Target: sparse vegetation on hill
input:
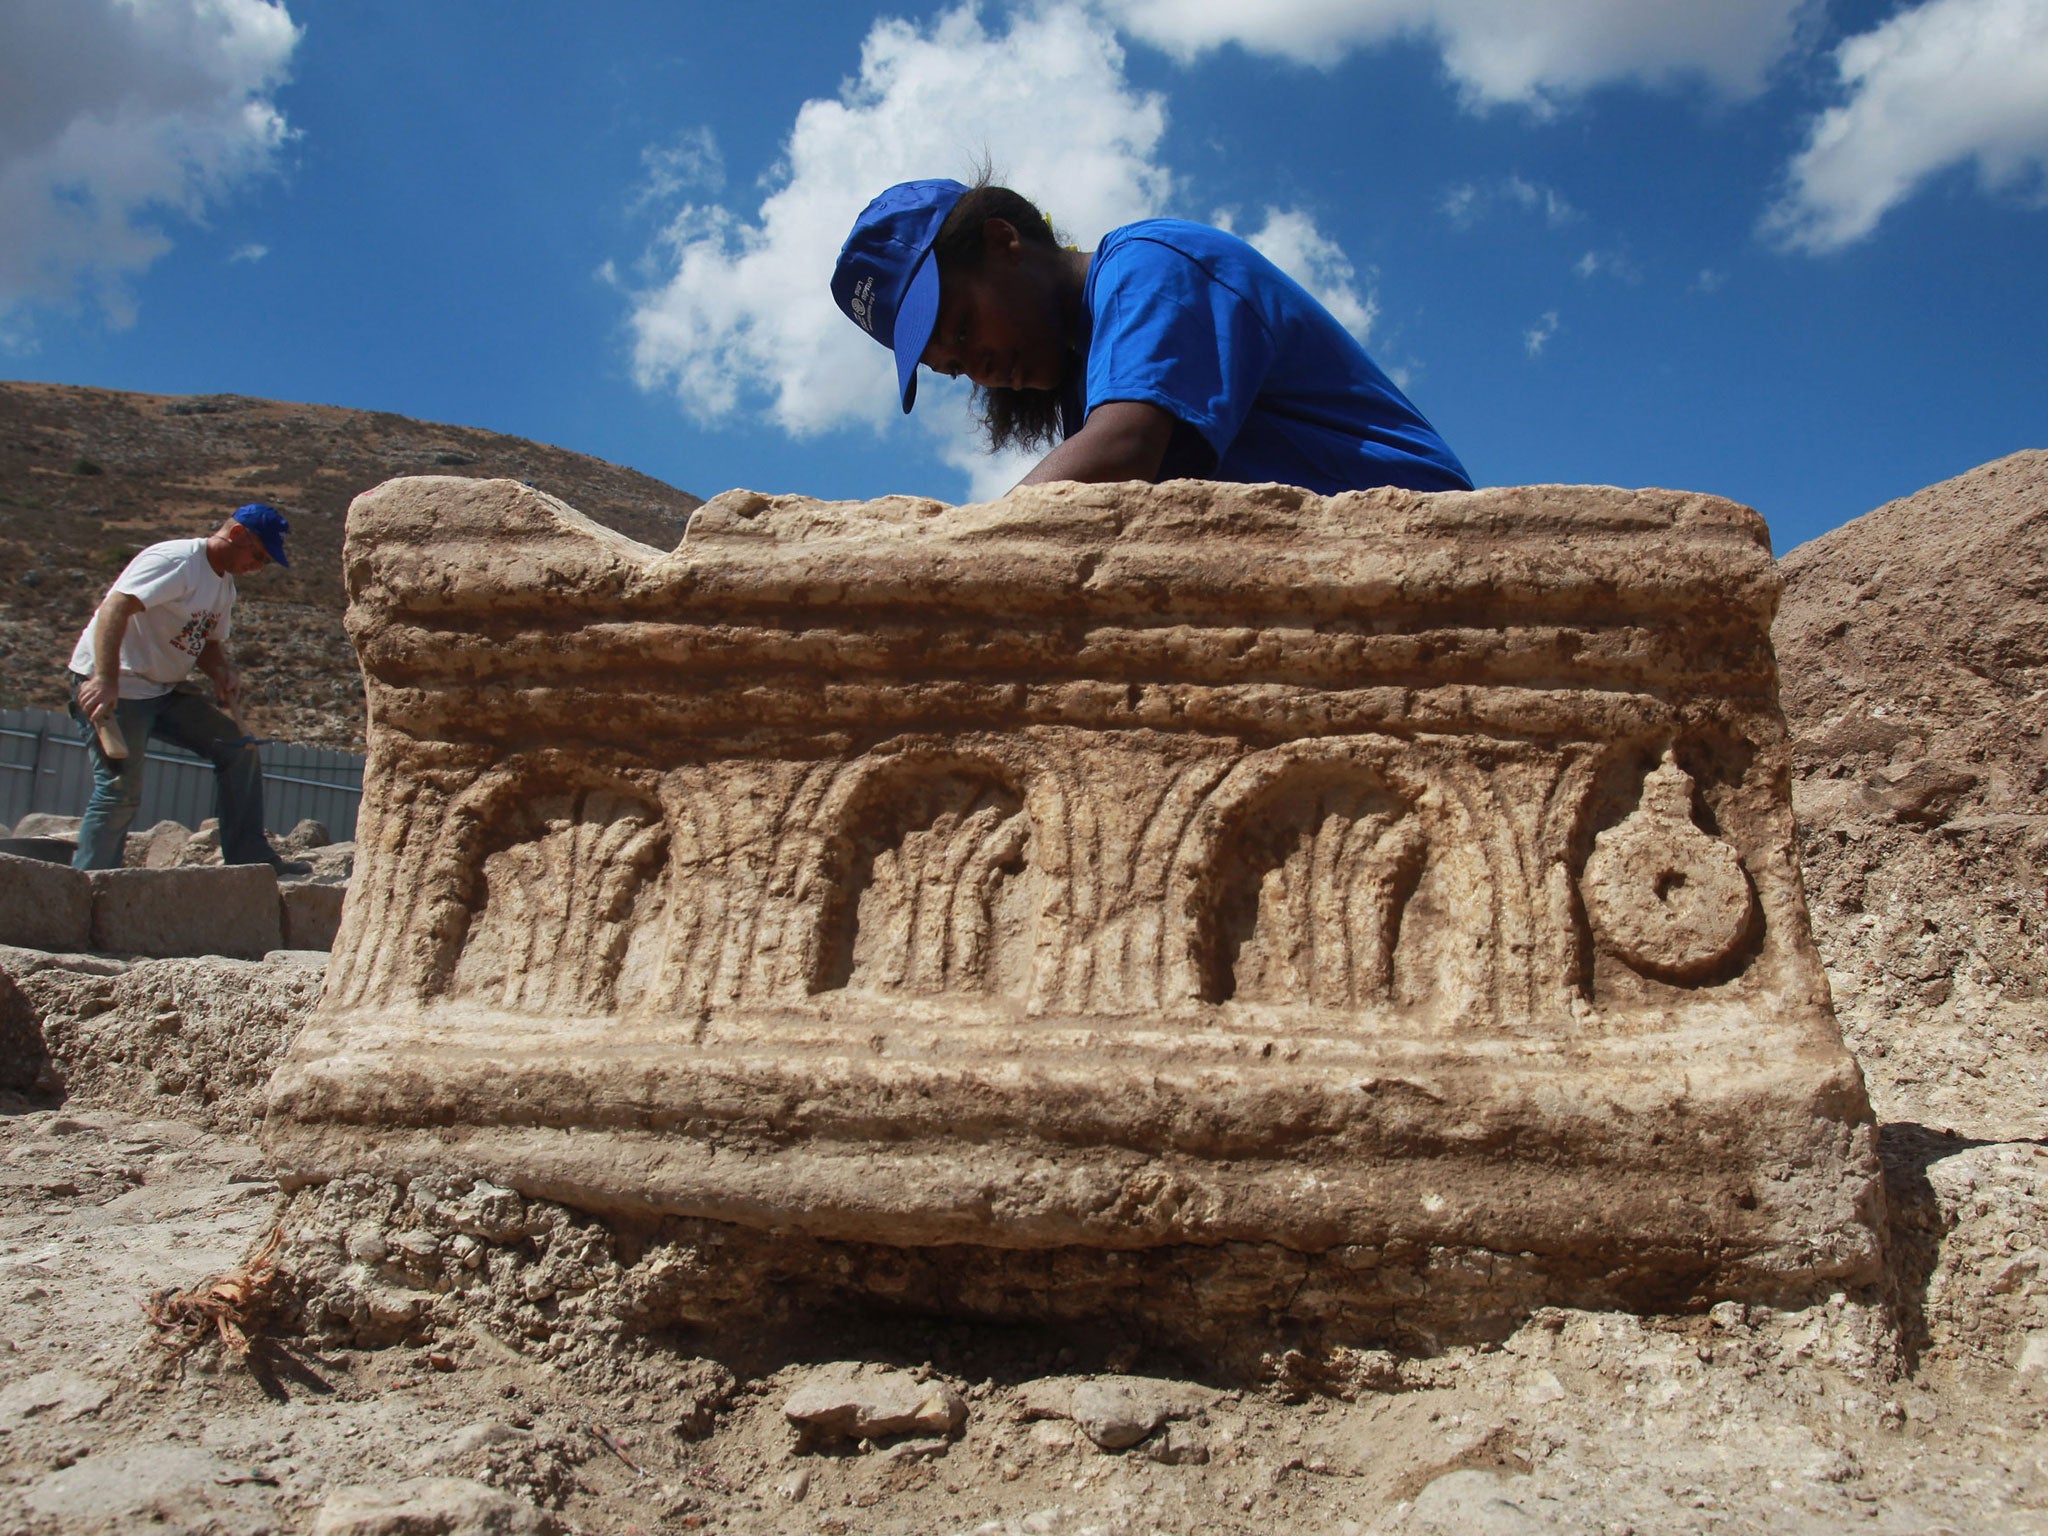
column 89, row 476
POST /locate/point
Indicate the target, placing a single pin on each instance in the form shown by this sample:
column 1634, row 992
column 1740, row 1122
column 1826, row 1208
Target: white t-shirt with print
column 185, row 603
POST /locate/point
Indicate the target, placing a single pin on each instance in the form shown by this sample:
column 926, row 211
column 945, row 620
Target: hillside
column 1913, row 647
column 89, row 476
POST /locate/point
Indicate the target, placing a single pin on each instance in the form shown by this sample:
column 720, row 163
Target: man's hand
column 98, row 694
column 1121, row 440
column 98, row 698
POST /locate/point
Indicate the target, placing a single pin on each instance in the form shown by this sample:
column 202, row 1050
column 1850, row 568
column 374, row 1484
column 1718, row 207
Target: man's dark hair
column 1019, row 418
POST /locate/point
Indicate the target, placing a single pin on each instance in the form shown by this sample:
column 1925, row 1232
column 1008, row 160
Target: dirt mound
column 1913, row 648
column 511, row 1357
column 191, row 1039
column 89, row 476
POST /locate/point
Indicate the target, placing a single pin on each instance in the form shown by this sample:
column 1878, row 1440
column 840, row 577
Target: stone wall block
column 159, row 847
column 47, row 824
column 312, row 913
column 229, row 910
column 44, row 905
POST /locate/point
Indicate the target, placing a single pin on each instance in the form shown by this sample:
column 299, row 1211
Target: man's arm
column 217, row 664
column 98, row 694
column 1121, row 440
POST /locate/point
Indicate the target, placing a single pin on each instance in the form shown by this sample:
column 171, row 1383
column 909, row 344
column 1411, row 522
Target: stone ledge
column 231, row 910
column 1761, row 1184
column 44, row 905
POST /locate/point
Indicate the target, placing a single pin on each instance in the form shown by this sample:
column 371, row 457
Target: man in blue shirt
column 1171, row 350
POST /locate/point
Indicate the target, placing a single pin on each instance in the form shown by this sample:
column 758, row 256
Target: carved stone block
column 1391, row 894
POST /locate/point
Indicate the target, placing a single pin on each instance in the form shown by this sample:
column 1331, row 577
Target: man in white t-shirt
column 166, row 618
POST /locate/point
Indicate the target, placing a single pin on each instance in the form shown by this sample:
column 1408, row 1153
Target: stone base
column 44, row 905
column 1656, row 1171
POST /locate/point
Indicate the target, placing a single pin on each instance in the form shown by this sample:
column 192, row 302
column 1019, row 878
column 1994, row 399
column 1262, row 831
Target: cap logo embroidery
column 863, row 306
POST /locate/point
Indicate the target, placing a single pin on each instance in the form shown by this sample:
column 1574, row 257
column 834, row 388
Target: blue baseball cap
column 269, row 526
column 886, row 280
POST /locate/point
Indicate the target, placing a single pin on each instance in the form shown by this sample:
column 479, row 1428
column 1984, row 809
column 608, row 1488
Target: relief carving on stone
column 932, row 891
column 567, row 909
column 1664, row 895
column 1307, row 904
column 1101, row 869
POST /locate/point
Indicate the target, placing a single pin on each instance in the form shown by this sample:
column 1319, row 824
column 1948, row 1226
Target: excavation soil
column 1914, row 647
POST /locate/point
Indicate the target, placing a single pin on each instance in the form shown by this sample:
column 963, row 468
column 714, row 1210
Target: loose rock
column 430, row 1506
column 874, row 1405
column 1117, row 1414
column 58, row 1395
column 1476, row 1503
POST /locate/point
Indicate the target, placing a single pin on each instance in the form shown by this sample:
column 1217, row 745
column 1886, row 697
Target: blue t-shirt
column 1196, row 322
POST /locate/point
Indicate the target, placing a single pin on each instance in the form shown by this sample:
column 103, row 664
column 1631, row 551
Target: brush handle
column 112, row 742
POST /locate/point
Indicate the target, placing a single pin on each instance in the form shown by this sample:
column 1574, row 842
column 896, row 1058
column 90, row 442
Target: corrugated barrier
column 44, row 767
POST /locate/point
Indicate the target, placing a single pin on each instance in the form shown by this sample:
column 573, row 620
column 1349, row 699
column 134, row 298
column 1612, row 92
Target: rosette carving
column 1663, row 895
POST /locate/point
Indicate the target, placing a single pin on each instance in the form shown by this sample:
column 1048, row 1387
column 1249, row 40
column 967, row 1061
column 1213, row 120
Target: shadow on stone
column 51, row 850
column 25, row 1067
column 1916, row 1230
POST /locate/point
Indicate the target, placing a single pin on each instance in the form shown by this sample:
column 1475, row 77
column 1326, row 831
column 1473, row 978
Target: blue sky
column 1791, row 252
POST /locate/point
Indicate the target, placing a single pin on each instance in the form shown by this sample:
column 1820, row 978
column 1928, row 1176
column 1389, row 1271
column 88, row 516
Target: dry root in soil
column 223, row 1306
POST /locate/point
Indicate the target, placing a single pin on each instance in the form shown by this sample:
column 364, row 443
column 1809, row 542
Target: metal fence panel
column 312, row 781
column 44, row 767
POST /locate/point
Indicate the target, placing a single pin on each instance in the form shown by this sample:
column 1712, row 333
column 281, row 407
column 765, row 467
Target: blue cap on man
column 269, row 526
column 886, row 280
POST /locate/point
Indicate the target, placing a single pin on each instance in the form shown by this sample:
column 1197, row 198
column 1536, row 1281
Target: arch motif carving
column 568, row 907
column 929, row 886
column 1300, row 872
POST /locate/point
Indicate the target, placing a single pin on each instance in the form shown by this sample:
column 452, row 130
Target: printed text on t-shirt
column 197, row 631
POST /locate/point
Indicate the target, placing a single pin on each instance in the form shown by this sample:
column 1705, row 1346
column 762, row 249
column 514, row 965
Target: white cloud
column 250, row 252
column 989, row 475
column 1290, row 240
column 1556, row 210
column 1942, row 84
column 1615, row 264
column 690, row 162
column 1533, row 52
column 743, row 316
column 1537, row 337
column 115, row 113
column 1467, row 203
